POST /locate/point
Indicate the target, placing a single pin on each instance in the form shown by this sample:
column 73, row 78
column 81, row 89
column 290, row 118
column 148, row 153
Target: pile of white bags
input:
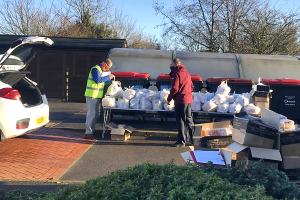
column 224, row 102
column 143, row 99
column 221, row 101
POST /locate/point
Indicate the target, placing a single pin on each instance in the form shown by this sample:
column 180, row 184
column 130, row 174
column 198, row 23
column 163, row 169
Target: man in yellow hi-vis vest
column 99, row 76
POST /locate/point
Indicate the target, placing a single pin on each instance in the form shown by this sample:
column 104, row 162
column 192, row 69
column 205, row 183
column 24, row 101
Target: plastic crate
column 133, row 79
column 237, row 85
column 285, row 97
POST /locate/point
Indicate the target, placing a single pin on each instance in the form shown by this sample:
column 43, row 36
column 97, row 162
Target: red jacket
column 182, row 86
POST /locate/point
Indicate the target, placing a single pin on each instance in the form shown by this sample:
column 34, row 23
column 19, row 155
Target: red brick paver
column 41, row 156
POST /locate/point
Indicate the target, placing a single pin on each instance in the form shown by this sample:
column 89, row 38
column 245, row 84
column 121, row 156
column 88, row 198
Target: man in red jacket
column 181, row 92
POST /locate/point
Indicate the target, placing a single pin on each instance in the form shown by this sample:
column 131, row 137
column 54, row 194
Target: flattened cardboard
column 242, row 137
column 271, row 118
column 291, row 162
column 187, row 157
column 203, row 157
column 266, row 154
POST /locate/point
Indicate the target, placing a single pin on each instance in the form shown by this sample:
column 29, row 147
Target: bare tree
column 248, row 26
column 232, row 13
column 88, row 11
column 25, row 17
column 193, row 23
column 126, row 28
column 269, row 31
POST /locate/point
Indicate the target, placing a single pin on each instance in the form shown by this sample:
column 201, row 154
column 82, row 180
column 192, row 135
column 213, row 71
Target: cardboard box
column 240, row 123
column 291, row 162
column 119, row 134
column 222, row 128
column 242, row 137
column 259, row 128
column 290, row 143
column 262, row 104
column 270, row 117
column 237, row 151
column 252, row 132
column 262, row 100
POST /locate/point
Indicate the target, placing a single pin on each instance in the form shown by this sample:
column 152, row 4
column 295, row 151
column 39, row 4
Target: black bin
column 285, row 97
column 133, row 79
column 163, row 81
column 141, row 80
column 197, row 82
column 237, row 85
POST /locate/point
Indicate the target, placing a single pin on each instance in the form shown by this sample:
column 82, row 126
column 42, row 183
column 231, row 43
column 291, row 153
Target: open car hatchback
column 23, row 107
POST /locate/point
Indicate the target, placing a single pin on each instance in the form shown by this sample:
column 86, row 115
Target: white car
column 23, row 108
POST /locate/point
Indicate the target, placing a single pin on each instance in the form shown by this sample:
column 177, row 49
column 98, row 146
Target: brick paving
column 41, row 156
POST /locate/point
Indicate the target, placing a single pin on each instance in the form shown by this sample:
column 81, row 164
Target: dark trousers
column 184, row 122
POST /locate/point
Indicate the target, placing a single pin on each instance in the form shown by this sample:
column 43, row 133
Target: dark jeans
column 184, row 120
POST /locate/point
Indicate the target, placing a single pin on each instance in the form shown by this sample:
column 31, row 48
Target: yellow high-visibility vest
column 93, row 89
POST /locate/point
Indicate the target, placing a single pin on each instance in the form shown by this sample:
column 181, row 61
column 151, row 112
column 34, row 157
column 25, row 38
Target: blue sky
column 143, row 13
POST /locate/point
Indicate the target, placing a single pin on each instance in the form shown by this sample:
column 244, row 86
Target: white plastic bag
column 235, row 108
column 149, row 94
column 230, row 99
column 286, row 125
column 169, row 106
column 251, row 109
column 196, row 104
column 108, row 101
column 145, row 104
column 164, row 95
column 129, row 93
column 157, row 104
column 209, row 106
column 123, row 103
column 223, row 108
column 223, row 88
column 219, row 99
column 204, row 97
column 135, row 103
column 115, row 89
column 140, row 93
column 243, row 99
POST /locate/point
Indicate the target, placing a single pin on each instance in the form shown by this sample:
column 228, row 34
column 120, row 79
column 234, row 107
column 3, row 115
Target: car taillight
column 22, row 124
column 10, row 93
